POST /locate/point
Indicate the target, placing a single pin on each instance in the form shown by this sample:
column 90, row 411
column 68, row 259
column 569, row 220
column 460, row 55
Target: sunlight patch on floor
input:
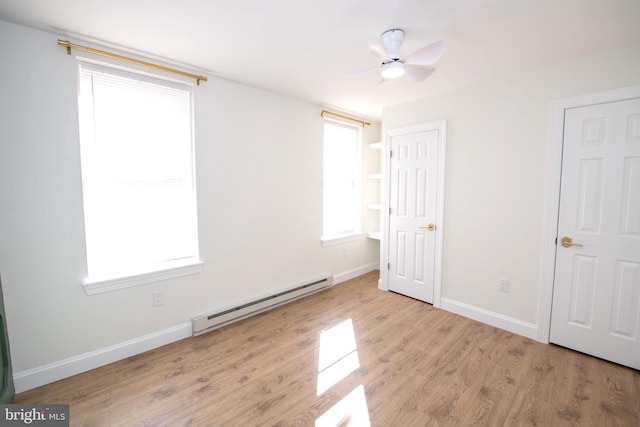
column 337, row 355
column 352, row 410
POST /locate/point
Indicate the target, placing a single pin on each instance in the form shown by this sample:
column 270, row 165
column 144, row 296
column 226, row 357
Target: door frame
column 552, row 210
column 441, row 127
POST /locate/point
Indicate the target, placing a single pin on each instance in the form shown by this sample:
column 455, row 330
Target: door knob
column 567, row 242
column 429, row 227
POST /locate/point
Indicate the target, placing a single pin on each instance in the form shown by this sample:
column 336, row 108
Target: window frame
column 355, row 234
column 164, row 270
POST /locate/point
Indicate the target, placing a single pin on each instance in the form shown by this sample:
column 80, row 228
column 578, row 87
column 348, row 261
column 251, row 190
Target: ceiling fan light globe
column 392, row 70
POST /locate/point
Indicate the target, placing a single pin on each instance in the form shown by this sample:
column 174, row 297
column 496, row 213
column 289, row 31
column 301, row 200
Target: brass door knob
column 567, row 242
column 429, row 227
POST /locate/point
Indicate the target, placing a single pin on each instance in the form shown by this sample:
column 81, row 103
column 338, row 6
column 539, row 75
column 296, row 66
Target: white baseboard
column 355, row 272
column 46, row 374
column 507, row 323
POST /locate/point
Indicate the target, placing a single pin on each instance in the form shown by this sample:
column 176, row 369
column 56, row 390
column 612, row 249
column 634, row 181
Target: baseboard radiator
column 209, row 322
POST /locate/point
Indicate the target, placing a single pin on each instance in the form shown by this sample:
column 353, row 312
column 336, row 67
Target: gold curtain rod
column 69, row 45
column 323, row 112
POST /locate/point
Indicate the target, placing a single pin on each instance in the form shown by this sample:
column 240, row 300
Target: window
column 138, row 176
column 341, row 212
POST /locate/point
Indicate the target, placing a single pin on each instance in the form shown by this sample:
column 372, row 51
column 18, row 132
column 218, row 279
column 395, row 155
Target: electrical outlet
column 503, row 285
column 157, row 298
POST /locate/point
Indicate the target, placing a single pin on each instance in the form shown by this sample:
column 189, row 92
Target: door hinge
column 389, row 211
column 388, row 266
column 390, row 154
column 556, row 241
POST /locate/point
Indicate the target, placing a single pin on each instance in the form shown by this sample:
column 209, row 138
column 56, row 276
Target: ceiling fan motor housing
column 392, row 39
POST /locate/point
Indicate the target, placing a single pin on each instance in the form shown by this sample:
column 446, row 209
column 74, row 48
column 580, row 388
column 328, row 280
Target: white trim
column 385, row 168
column 46, row 374
column 338, row 240
column 507, row 323
column 355, row 272
column 442, row 158
column 552, row 206
column 93, row 287
column 441, row 127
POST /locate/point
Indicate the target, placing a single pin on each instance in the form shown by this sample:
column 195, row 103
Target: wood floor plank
column 414, row 366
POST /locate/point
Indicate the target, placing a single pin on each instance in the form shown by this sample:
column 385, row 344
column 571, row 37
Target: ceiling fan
column 418, row 65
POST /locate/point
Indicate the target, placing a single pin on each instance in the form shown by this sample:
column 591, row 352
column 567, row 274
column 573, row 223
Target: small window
column 137, row 173
column 341, row 212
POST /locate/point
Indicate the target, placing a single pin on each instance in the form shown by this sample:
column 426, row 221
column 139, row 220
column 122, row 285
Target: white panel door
column 413, row 188
column 596, row 293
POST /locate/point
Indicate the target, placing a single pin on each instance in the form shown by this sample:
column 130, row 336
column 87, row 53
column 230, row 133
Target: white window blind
column 137, row 171
column 341, row 212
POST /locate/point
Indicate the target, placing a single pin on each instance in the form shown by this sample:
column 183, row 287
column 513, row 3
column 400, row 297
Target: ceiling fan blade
column 356, row 73
column 418, row 73
column 428, row 55
column 378, row 50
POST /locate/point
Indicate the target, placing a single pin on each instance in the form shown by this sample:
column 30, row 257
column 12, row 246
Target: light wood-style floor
column 414, row 366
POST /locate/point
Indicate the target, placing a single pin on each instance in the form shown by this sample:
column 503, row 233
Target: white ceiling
column 302, row 48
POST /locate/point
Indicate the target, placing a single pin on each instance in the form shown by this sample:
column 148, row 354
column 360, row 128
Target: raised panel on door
column 400, row 258
column 630, row 212
column 625, row 308
column 581, row 300
column 591, row 182
column 596, row 295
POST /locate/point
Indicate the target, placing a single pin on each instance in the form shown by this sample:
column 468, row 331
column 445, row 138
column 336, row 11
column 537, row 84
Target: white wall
column 497, row 160
column 259, row 182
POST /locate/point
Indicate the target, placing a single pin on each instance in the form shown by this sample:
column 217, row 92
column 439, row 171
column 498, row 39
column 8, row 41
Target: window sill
column 169, row 271
column 338, row 240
